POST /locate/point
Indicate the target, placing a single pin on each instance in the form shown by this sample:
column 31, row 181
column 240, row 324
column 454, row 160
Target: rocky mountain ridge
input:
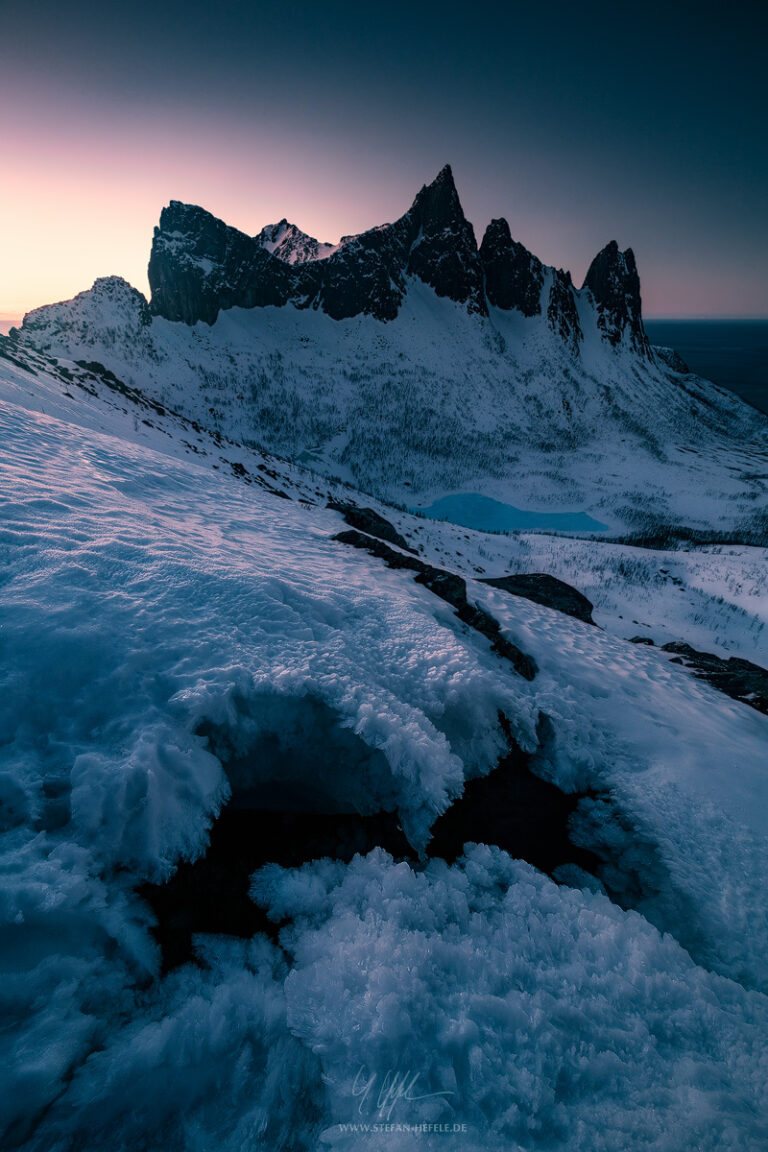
column 290, row 244
column 200, row 266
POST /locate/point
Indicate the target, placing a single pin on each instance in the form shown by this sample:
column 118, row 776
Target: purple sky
column 580, row 124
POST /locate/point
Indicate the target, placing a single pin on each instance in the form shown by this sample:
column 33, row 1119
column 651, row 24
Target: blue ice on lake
column 472, row 510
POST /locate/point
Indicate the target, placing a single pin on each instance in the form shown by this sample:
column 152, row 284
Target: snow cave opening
column 304, row 787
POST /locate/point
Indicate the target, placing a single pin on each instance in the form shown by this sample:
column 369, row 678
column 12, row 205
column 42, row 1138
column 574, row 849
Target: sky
column 580, row 123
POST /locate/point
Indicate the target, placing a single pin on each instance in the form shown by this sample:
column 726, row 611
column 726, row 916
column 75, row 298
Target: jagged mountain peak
column 289, row 243
column 199, row 266
column 439, row 201
column 442, row 245
column 614, row 283
column 513, row 276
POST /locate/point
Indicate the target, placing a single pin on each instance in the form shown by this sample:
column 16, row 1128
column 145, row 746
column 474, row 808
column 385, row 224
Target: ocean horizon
column 732, row 353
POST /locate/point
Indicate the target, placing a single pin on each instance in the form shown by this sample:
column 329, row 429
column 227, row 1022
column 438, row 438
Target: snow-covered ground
column 158, row 586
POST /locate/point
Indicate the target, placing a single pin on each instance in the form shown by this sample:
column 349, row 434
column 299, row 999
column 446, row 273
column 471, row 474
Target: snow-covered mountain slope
column 442, row 401
column 290, row 244
column 183, row 643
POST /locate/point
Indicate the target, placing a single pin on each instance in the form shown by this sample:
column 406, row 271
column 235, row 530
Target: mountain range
column 415, row 364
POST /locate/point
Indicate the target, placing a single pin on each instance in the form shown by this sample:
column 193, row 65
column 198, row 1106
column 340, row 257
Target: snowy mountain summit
column 290, row 244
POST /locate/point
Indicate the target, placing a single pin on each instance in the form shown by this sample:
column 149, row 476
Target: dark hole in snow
column 516, row 810
column 296, row 798
column 303, row 787
column 211, row 894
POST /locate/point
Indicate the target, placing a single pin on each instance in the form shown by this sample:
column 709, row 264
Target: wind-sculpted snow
column 687, row 822
column 536, row 1016
column 173, row 637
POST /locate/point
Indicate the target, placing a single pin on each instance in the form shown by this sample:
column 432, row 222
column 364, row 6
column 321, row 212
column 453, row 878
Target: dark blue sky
column 578, row 122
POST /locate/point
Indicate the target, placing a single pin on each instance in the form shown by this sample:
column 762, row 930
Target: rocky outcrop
column 562, row 312
column 513, row 275
column 110, row 307
column 442, row 250
column 293, row 246
column 670, row 358
column 451, row 588
column 614, row 285
column 200, row 265
column 740, row 679
column 515, row 279
column 371, row 522
column 547, row 590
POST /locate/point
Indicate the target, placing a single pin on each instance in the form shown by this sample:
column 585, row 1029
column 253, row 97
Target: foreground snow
column 151, row 595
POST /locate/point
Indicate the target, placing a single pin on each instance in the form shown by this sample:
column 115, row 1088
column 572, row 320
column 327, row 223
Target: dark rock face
column 442, row 248
column 562, row 313
column 369, row 521
column 740, row 679
column 199, row 265
column 614, row 284
column 514, row 278
column 366, row 276
column 547, row 590
column 513, row 275
column 670, row 358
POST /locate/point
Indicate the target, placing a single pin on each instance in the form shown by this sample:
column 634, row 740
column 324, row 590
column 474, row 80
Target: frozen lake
column 472, row 510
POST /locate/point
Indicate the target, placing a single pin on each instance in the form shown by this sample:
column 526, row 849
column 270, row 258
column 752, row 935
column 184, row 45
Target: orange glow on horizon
column 83, row 189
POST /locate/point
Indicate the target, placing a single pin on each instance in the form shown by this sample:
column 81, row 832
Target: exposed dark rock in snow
column 443, row 249
column 371, row 522
column 562, row 313
column 513, row 275
column 451, row 588
column 740, row 679
column 671, row 359
column 199, row 265
column 615, row 286
column 546, row 590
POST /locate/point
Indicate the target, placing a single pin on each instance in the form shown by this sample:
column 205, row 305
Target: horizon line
column 10, row 317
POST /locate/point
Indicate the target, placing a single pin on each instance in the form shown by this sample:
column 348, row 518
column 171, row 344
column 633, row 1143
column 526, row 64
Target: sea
column 733, row 353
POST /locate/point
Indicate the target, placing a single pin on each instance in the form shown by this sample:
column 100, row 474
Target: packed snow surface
column 151, row 594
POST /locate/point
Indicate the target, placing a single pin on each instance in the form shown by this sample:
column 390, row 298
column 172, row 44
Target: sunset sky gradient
column 579, row 123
